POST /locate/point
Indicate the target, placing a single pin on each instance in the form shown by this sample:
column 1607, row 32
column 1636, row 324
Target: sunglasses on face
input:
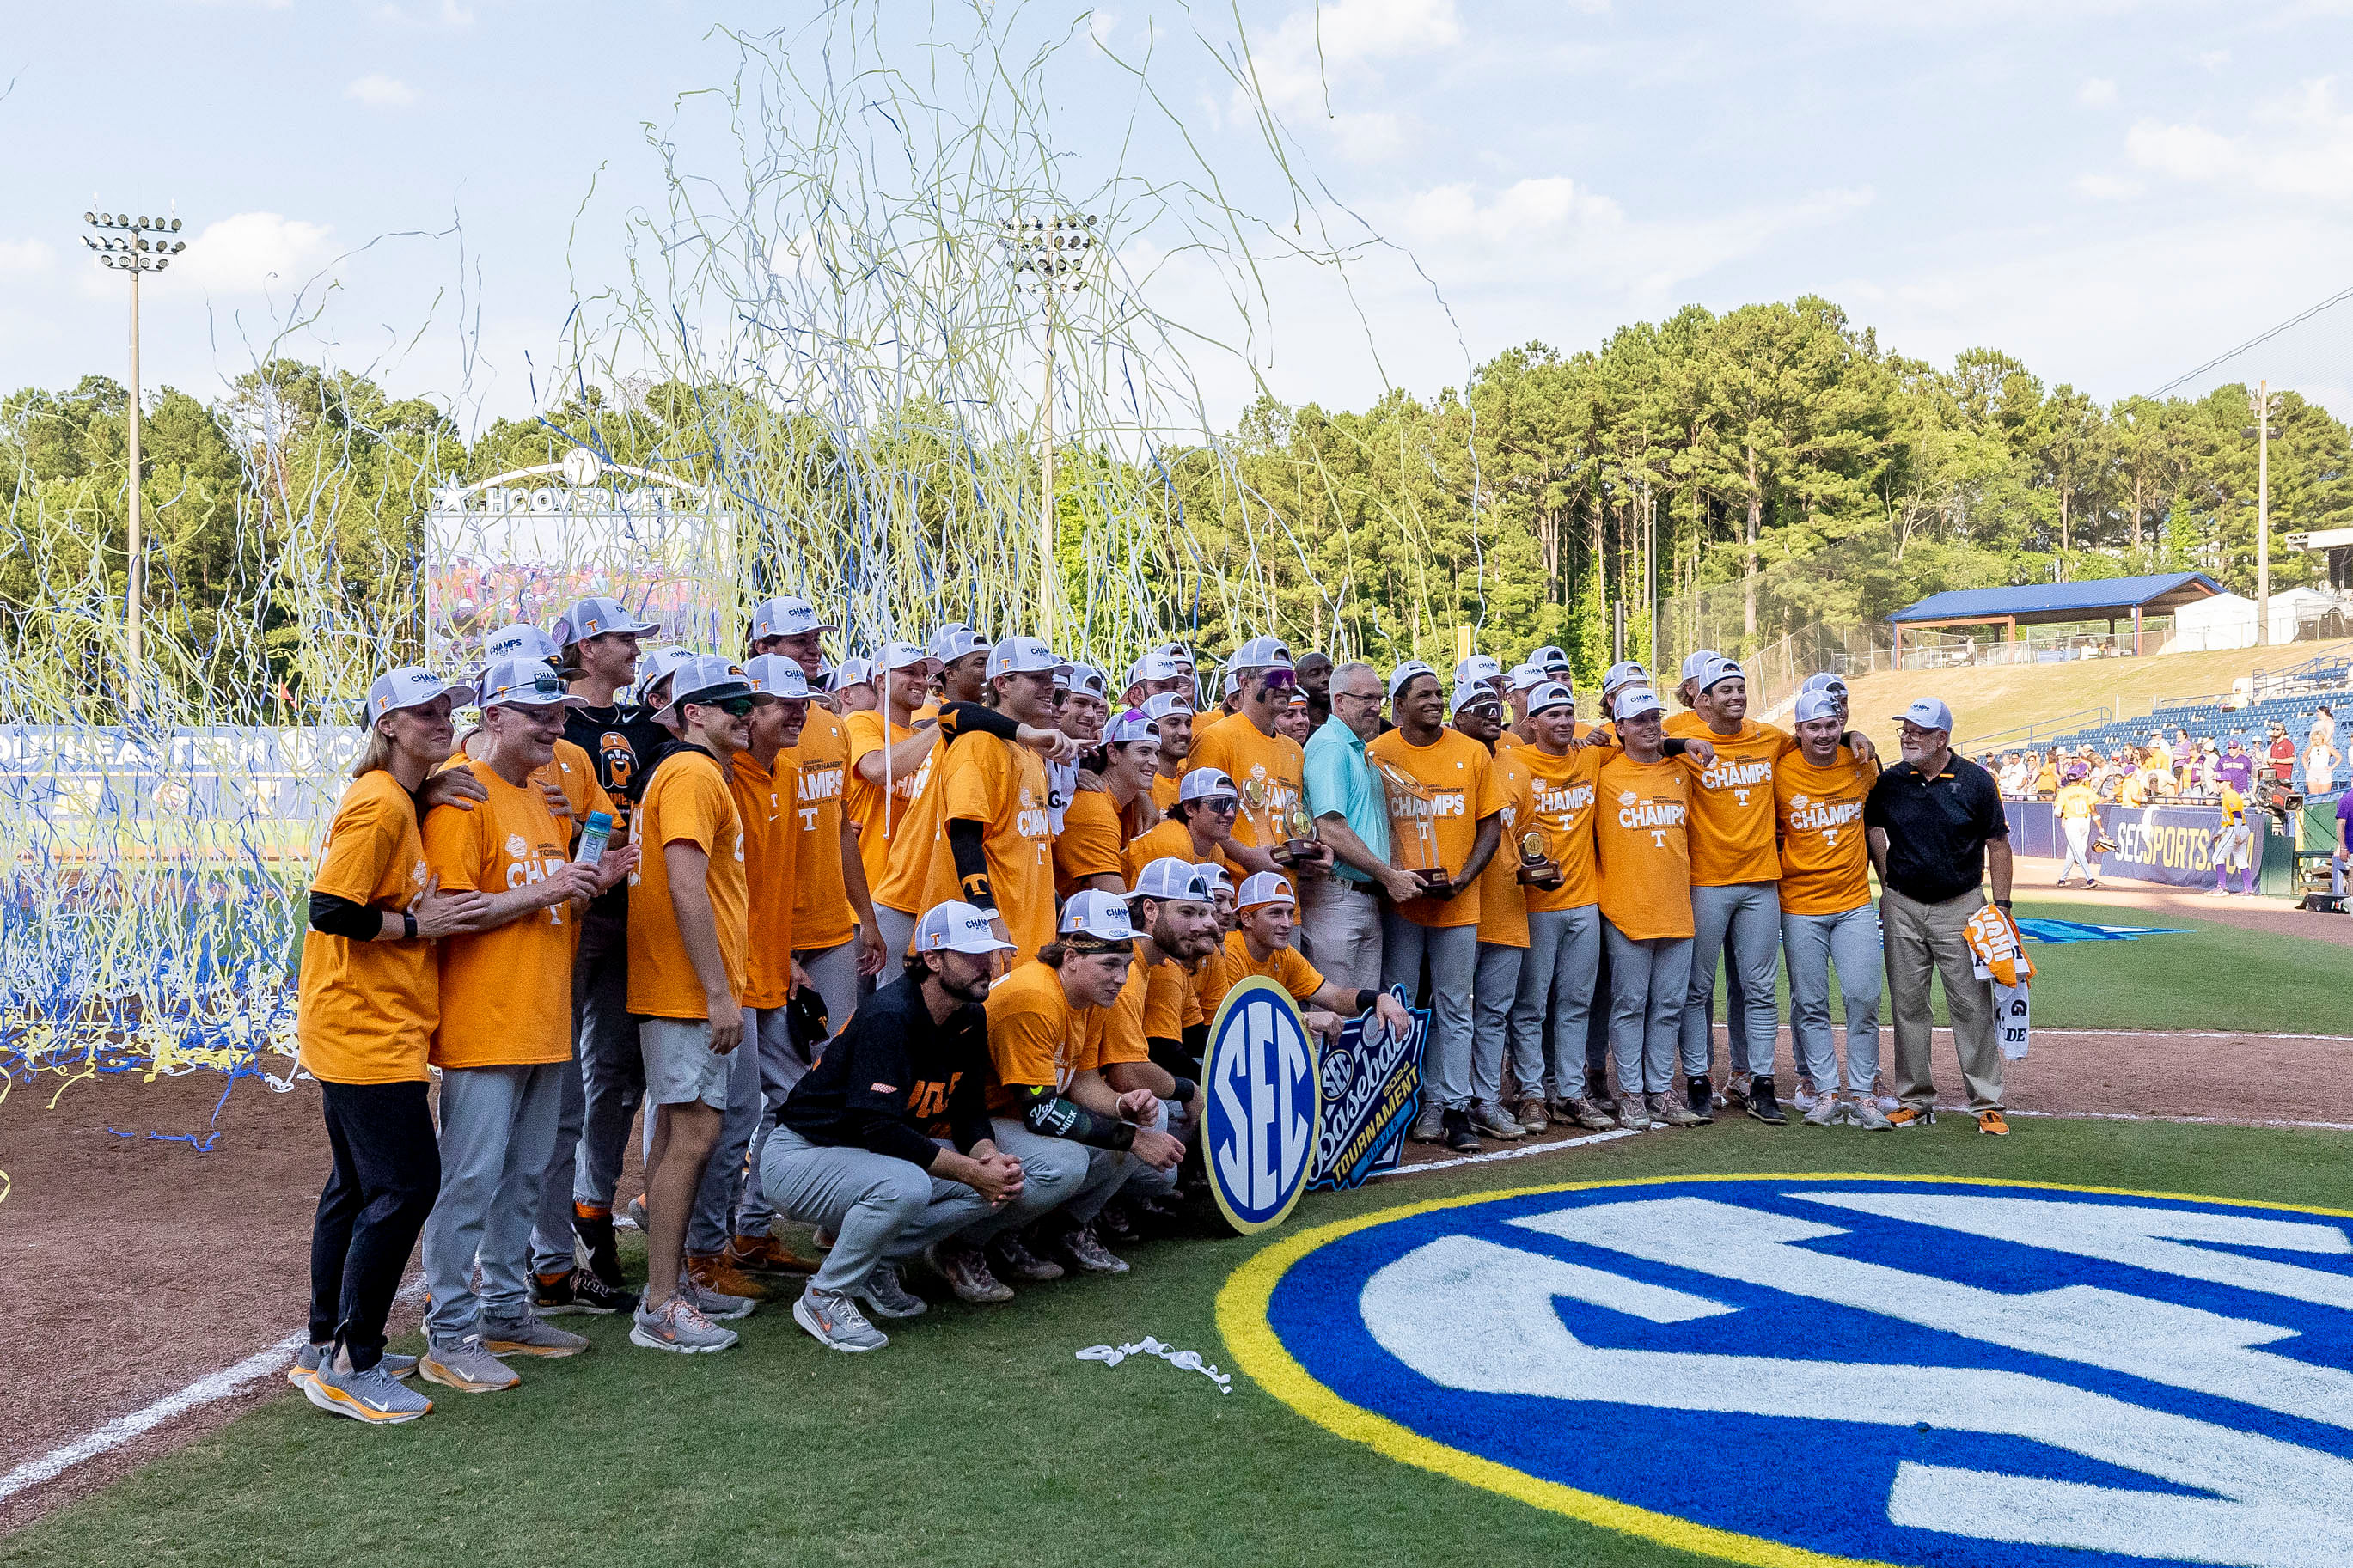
column 1222, row 804
column 1281, row 679
column 734, row 706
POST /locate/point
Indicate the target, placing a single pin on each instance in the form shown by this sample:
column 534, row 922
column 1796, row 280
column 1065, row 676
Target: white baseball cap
column 413, row 686
column 1233, row 681
column 1024, row 655
column 1553, row 694
column 655, row 666
column 1130, row 726
column 1632, row 701
column 594, row 617
column 1179, row 652
column 705, row 678
column 526, row 683
column 1213, row 877
column 1086, row 677
column 1526, row 676
column 1479, row 667
column 1158, row 665
column 893, row 656
column 956, row 927
column 848, row 673
column 1550, row 656
column 786, row 617
column 1093, row 912
column 1207, row 784
column 1161, row 704
column 1470, row 694
column 1816, row 704
column 1265, row 888
column 1624, row 672
column 773, row 675
column 1929, row 714
column 1403, row 674
column 520, row 640
column 1825, row 681
column 1170, row 878
column 955, row 640
column 1719, row 669
column 1261, row 653
column 1696, row 661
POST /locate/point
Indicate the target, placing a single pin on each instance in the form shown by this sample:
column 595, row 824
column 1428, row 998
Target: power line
column 2260, row 337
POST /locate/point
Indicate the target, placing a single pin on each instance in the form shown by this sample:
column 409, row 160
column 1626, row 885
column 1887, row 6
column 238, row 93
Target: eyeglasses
column 733, row 706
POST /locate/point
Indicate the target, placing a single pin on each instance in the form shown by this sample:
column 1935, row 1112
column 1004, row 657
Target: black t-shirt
column 621, row 741
column 893, row 1080
column 1937, row 829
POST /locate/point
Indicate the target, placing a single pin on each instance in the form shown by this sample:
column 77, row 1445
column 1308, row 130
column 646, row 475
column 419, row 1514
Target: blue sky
column 2114, row 190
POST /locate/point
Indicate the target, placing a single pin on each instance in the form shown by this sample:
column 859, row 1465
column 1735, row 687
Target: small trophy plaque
column 1537, row 867
column 1299, row 838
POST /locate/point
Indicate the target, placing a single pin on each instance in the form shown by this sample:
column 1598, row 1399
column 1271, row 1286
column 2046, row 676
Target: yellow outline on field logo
column 1240, row 996
column 1258, row 1351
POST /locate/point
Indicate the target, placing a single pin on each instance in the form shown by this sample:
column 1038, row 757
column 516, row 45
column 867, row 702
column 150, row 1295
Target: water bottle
column 593, row 837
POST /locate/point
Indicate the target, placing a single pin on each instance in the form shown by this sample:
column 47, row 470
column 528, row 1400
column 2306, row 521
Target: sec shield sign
column 1807, row 1371
column 1260, row 1083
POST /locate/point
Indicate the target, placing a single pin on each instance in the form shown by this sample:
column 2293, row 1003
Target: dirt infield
column 139, row 1264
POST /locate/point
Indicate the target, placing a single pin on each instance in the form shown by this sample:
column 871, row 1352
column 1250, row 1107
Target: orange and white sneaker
column 719, row 1277
column 1993, row 1124
column 1911, row 1116
column 766, row 1254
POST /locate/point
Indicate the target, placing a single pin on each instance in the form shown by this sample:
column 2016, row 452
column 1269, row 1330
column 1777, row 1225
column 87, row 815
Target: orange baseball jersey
column 1825, row 860
column 1216, row 976
column 687, row 801
column 1562, row 792
column 1640, row 821
column 366, row 1010
column 772, row 840
column 1002, row 786
column 1732, row 808
column 506, row 993
column 1507, row 740
column 822, row 917
column 1116, row 1034
column 1283, row 965
column 1164, row 791
column 1036, row 1039
column 1687, row 724
column 877, row 815
column 1275, row 763
column 1458, row 776
column 1503, row 896
column 1172, row 840
column 1092, row 843
column 1169, row 1000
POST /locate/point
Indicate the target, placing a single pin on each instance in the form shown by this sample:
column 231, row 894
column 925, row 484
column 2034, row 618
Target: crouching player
column 1053, row 1109
column 857, row 1146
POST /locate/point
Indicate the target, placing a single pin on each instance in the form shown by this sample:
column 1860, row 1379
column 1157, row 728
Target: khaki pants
column 1923, row 939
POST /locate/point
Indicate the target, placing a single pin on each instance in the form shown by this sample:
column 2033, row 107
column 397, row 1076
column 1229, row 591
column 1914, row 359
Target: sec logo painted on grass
column 1259, row 1131
column 1801, row 1370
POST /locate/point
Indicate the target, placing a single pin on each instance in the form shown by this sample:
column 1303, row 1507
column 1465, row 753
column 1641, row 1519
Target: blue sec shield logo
column 1793, row 1370
column 1258, row 1081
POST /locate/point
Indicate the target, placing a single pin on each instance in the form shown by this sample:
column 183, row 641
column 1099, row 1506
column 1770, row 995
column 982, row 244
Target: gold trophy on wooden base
column 1413, row 826
column 1299, row 841
column 1537, row 869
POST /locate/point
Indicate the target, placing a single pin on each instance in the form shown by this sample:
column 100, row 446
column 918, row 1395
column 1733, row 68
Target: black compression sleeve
column 1674, row 748
column 1049, row 1115
column 341, row 916
column 975, row 719
column 966, row 841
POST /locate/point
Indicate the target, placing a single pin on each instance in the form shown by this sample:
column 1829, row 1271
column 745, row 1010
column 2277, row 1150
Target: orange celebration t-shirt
column 772, row 841
column 1562, row 792
column 1002, row 786
column 1092, row 843
column 1036, row 1037
column 876, row 815
column 1825, row 862
column 506, row 993
column 822, row 917
column 366, row 1010
column 1640, row 822
column 1440, row 825
column 1732, row 807
column 1503, row 896
column 1283, row 965
column 1268, row 766
column 686, row 802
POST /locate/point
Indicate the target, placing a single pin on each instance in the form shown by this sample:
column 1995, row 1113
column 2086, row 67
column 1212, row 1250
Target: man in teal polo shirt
column 1340, row 915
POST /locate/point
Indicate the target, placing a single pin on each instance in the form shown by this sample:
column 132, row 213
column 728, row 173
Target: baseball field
column 1376, row 1414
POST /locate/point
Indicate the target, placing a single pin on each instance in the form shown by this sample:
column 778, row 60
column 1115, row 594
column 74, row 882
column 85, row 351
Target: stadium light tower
column 1050, row 252
column 2263, row 434
column 133, row 245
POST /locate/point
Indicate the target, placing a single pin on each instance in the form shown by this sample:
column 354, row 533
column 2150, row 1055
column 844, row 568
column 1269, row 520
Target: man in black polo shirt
column 1936, row 827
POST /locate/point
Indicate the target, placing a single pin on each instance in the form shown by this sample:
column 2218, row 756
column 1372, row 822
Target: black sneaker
column 1762, row 1103
column 1699, row 1097
column 1458, row 1133
column 595, row 1233
column 1009, row 1256
column 579, row 1291
column 1117, row 1222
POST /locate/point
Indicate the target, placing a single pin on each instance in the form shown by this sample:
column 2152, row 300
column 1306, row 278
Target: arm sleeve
column 975, row 719
column 1049, row 1115
column 968, row 1105
column 967, row 842
column 341, row 916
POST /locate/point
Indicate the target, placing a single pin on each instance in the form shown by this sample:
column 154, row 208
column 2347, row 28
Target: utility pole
column 133, row 245
column 2262, row 514
column 1052, row 250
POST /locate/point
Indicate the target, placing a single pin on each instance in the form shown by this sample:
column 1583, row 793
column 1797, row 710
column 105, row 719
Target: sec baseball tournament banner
column 1372, row 1089
column 2167, row 844
column 1800, row 1370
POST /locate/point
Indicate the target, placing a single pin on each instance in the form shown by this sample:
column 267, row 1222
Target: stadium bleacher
column 2292, row 698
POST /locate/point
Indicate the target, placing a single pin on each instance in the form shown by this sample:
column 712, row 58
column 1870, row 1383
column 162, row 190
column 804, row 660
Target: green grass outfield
column 977, row 1438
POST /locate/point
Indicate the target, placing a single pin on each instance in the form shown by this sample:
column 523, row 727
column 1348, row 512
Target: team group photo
column 1004, row 783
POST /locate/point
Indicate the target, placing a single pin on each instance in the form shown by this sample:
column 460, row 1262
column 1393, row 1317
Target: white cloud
column 2215, row 60
column 2107, row 187
column 24, row 258
column 2098, row 92
column 1343, row 42
column 2302, row 148
column 1368, row 138
column 446, row 17
column 1100, row 25
column 253, row 251
column 378, row 90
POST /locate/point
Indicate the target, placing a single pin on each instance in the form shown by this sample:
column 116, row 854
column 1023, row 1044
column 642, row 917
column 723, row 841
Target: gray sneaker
column 527, row 1335
column 306, row 1364
column 1083, row 1247
column 885, row 1297
column 1829, row 1110
column 1490, row 1118
column 374, row 1396
column 467, row 1366
column 1588, row 1114
column 713, row 1304
column 1430, row 1127
column 1632, row 1114
column 1670, row 1108
column 834, row 1321
column 677, row 1326
column 1534, row 1118
column 966, row 1272
column 1865, row 1113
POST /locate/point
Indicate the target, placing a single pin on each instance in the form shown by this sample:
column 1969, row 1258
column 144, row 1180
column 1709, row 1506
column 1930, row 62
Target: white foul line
column 213, row 1386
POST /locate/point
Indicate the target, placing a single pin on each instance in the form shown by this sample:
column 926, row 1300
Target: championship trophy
column 1253, row 811
column 1537, row 867
column 1299, row 840
column 1413, row 829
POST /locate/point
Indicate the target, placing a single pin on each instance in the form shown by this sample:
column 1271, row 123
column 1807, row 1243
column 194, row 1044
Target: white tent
column 2228, row 620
